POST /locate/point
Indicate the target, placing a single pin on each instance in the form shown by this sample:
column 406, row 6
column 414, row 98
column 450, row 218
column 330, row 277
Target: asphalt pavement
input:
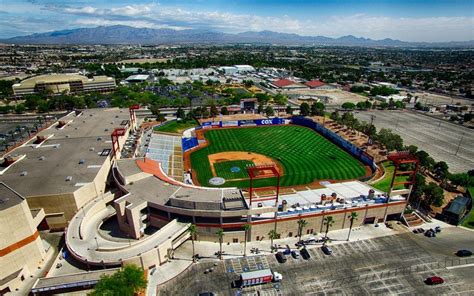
column 393, row 265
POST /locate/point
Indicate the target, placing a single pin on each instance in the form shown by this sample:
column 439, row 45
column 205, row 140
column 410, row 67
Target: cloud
column 155, row 15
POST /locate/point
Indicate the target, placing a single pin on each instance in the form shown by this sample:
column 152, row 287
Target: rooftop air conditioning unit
column 68, row 178
column 24, row 173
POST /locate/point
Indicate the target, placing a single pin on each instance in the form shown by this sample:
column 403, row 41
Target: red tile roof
column 283, row 82
column 315, row 83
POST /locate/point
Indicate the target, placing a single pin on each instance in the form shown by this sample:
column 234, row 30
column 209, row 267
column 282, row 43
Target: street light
column 96, row 242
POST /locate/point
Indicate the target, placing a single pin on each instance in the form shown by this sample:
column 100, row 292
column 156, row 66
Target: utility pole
column 372, row 117
column 459, row 145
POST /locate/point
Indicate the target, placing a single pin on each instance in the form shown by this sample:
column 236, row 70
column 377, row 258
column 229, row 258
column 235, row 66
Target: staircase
column 413, row 219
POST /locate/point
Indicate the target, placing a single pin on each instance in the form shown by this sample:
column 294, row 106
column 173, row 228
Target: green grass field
column 223, row 169
column 305, row 155
column 384, row 184
column 176, row 127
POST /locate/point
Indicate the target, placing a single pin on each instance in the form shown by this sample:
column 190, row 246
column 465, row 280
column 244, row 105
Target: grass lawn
column 384, row 184
column 304, row 155
column 469, row 221
column 224, row 169
column 176, row 127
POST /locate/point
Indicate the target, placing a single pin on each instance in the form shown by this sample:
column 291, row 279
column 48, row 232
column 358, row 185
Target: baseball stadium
column 267, row 173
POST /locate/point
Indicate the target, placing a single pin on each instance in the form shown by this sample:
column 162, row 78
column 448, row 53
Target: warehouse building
column 59, row 83
column 68, row 164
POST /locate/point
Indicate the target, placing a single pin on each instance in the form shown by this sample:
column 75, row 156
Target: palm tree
column 301, row 224
column 246, row 229
column 352, row 217
column 273, row 235
column 328, row 221
column 220, row 235
column 192, row 229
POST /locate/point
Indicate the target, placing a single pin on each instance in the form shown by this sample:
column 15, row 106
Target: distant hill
column 131, row 35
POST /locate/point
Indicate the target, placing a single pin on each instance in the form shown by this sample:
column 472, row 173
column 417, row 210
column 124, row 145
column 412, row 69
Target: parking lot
column 393, row 265
column 439, row 138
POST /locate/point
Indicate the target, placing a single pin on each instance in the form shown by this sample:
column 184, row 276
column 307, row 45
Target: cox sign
column 266, row 121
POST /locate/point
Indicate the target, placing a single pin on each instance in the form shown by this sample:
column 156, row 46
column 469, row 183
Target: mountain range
column 147, row 36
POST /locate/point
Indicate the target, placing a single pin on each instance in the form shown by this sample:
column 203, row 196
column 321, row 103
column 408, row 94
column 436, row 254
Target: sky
column 407, row 20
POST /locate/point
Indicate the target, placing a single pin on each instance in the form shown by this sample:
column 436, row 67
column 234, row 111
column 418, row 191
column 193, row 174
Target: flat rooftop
column 70, row 280
column 8, row 197
column 72, row 151
column 150, row 188
column 350, row 194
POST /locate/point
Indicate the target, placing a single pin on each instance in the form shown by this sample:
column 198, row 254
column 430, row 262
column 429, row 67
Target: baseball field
column 300, row 154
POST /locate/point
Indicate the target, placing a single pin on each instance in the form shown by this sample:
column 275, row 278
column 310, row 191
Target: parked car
column 295, row 254
column 280, row 257
column 326, row 250
column 430, row 233
column 463, row 253
column 434, row 280
column 305, row 254
column 437, row 229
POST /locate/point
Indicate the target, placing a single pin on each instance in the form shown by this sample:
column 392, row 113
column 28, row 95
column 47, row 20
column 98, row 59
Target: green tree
column 348, row 106
column 260, row 108
column 441, row 170
column 247, row 228
column 272, row 234
column 214, row 111
column 335, row 116
column 224, row 111
column 262, row 98
column 317, row 109
column 192, row 229
column 128, row 281
column 461, row 179
column 269, row 111
column 220, row 236
column 280, row 100
column 301, row 225
column 20, row 108
column 289, row 110
column 434, row 194
column 390, row 140
column 412, row 149
column 353, row 216
column 304, row 109
column 180, row 113
column 426, row 162
column 384, row 105
column 328, row 221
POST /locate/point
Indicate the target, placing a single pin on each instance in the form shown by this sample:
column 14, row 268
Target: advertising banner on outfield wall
column 207, row 124
column 247, row 123
column 272, row 121
column 230, row 123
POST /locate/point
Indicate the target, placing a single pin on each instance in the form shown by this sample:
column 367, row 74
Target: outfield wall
column 338, row 140
column 190, row 143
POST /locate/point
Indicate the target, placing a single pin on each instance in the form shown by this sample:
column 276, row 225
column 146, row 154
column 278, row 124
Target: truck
column 258, row 277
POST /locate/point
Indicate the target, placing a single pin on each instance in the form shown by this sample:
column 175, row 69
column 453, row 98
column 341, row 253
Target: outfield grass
column 304, row 154
column 384, row 184
column 469, row 220
column 176, row 127
column 223, row 169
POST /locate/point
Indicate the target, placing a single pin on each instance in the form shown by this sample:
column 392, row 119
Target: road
column 439, row 138
column 394, row 265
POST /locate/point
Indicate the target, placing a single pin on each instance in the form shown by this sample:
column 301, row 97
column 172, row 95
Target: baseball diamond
column 302, row 155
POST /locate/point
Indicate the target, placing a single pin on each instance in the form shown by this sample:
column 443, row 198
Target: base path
column 257, row 159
